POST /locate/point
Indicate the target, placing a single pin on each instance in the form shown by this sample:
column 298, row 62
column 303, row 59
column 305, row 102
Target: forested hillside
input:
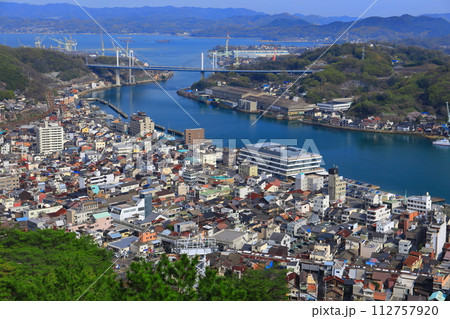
column 24, row 69
column 382, row 77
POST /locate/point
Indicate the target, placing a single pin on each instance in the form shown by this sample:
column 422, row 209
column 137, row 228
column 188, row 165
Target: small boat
column 443, row 142
column 162, row 41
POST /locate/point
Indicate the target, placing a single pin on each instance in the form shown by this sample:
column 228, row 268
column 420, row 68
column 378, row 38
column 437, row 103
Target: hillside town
column 142, row 192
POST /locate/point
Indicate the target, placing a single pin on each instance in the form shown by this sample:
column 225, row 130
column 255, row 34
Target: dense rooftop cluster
column 149, row 193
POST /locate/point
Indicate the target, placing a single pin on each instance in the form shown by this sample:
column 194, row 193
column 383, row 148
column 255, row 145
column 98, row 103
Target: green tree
column 179, row 280
column 53, row 265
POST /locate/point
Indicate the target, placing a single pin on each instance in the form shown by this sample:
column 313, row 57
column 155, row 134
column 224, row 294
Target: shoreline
column 431, row 137
column 115, row 86
column 185, row 94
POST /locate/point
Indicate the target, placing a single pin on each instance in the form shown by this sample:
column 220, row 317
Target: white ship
column 443, row 142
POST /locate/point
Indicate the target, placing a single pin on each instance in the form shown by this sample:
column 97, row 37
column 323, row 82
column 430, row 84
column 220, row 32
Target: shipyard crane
column 38, row 41
column 70, row 44
column 67, row 45
column 103, row 49
column 226, row 44
column 60, row 43
column 127, row 40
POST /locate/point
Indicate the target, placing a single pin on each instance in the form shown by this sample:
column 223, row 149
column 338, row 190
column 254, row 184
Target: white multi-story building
column 436, row 234
column 378, row 213
column 140, row 208
column 404, row 246
column 384, row 226
column 320, row 204
column 419, row 203
column 334, row 106
column 50, row 138
column 280, row 160
column 311, row 182
column 97, row 179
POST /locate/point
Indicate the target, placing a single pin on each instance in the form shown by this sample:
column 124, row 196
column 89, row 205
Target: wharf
column 175, row 132
column 160, row 127
column 112, row 106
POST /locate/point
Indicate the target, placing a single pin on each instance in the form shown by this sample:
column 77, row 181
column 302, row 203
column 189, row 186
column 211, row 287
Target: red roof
column 379, row 295
column 254, row 196
column 222, row 226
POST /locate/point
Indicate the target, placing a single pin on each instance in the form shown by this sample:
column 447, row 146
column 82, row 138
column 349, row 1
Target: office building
column 280, row 160
column 194, row 135
column 336, row 186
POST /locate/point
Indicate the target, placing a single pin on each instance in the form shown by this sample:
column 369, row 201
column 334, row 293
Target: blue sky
column 319, row 7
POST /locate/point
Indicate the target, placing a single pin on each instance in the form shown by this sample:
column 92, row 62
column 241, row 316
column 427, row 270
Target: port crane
column 38, row 41
column 226, row 44
column 67, row 45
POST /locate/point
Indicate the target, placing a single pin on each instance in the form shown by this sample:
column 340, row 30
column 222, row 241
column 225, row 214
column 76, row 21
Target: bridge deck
column 190, row 69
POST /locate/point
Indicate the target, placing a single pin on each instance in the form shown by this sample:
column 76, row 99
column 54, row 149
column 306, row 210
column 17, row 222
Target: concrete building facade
column 50, row 138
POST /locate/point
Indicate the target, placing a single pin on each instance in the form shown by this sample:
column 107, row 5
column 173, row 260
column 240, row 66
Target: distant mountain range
column 208, row 22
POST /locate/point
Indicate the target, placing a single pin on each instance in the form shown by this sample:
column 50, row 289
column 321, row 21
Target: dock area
column 160, row 127
column 175, row 132
column 112, row 106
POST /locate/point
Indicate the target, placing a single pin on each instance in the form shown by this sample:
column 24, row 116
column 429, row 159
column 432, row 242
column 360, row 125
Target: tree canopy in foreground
column 56, row 265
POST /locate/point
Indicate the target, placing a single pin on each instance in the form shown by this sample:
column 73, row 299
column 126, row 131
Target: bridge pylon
column 117, row 77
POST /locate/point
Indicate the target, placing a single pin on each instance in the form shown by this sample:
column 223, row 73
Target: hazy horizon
column 325, row 8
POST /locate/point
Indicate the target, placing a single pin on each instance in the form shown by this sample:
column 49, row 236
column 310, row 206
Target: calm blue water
column 395, row 162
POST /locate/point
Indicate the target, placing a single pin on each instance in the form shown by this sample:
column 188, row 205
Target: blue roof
column 115, row 235
column 95, row 189
column 438, row 295
column 124, row 243
column 22, row 219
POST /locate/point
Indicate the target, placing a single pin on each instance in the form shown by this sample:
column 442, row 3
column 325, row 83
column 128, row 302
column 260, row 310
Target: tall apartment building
column 193, row 134
column 280, row 160
column 141, row 124
column 437, row 234
column 9, row 182
column 336, row 186
column 229, row 156
column 50, row 138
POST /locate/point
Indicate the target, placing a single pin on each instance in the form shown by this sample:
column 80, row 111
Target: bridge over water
column 202, row 71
